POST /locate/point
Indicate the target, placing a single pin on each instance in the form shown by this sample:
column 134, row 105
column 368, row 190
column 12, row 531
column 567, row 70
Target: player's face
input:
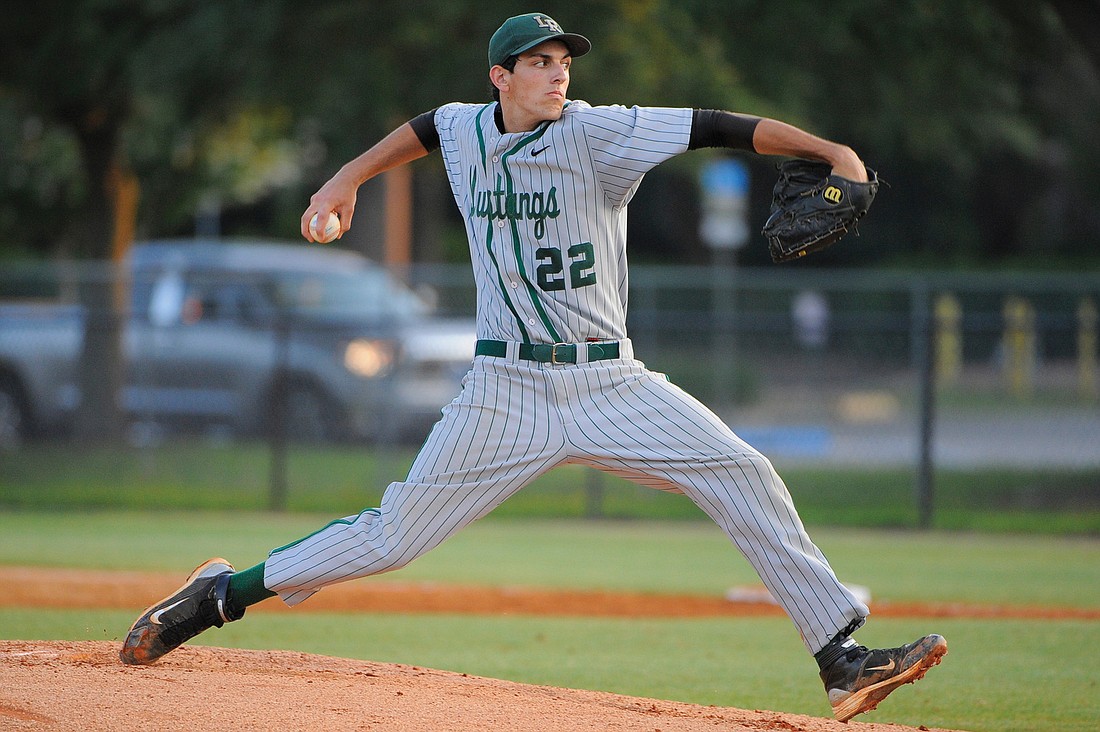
column 535, row 91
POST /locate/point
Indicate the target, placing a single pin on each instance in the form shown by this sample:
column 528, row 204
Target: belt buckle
column 554, row 354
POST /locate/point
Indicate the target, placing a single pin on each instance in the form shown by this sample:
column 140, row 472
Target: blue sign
column 725, row 184
column 726, row 177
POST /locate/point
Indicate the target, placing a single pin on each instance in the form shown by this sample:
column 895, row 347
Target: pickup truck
column 217, row 333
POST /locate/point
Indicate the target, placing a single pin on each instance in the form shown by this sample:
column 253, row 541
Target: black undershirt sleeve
column 424, row 127
column 715, row 128
column 709, row 128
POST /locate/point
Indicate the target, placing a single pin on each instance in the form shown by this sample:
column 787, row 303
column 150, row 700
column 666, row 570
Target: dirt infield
column 85, row 589
column 82, row 686
column 58, row 686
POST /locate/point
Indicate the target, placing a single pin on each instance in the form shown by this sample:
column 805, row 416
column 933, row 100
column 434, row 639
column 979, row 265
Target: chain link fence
column 874, row 367
column 835, row 368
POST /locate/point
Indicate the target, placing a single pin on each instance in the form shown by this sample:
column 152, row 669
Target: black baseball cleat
column 861, row 678
column 198, row 605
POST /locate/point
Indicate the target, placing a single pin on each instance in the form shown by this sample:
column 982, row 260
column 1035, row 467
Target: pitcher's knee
column 755, row 460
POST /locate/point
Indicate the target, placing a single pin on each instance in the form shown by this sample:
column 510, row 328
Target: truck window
column 166, row 300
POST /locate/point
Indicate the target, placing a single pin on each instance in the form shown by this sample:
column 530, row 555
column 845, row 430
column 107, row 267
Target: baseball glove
column 812, row 208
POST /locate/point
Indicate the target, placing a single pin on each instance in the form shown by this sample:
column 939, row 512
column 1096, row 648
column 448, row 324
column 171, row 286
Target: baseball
column 329, row 233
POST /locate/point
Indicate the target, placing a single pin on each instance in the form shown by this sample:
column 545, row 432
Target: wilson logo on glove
column 812, row 208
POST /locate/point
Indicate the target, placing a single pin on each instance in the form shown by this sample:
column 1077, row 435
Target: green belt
column 549, row 352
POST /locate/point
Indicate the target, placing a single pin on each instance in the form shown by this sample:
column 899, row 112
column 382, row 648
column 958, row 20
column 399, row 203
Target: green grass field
column 201, row 475
column 1001, row 538
column 999, row 675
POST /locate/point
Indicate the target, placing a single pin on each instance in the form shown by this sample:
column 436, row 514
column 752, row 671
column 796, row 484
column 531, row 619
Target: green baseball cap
column 519, row 33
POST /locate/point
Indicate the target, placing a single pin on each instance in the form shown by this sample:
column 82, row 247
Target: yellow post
column 948, row 339
column 1087, row 318
column 1019, row 343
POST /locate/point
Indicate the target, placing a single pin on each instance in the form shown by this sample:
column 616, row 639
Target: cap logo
column 548, row 23
column 832, row 194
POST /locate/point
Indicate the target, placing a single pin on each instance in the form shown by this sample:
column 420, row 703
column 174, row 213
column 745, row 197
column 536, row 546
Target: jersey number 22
column 551, row 271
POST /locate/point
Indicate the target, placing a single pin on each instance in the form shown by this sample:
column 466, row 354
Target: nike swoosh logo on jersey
column 155, row 617
column 888, row 667
column 540, row 151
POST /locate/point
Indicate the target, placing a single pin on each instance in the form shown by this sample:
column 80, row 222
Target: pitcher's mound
column 82, row 685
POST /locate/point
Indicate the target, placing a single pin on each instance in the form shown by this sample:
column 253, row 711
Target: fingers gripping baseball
column 329, row 213
column 324, row 230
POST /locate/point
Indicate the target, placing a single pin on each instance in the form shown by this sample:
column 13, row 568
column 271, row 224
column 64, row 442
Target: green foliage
column 39, row 171
column 981, row 115
column 967, row 109
column 126, row 83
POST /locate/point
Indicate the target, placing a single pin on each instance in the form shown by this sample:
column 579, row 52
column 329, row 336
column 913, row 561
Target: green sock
column 247, row 588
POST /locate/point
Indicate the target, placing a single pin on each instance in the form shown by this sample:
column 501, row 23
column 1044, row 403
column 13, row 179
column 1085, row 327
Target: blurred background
column 159, row 312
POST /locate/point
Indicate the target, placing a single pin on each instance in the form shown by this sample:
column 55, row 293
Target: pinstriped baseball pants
column 515, row 420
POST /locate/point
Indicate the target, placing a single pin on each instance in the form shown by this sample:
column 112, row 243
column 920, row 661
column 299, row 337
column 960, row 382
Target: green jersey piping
column 531, row 291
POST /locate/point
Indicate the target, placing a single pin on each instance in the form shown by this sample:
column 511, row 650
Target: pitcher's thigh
column 653, row 432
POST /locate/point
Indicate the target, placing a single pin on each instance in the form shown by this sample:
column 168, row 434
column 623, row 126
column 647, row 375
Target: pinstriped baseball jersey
column 545, row 213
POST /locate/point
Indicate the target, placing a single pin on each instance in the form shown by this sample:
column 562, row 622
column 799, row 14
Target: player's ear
column 499, row 77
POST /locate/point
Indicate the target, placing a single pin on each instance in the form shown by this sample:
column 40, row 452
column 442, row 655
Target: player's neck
column 511, row 120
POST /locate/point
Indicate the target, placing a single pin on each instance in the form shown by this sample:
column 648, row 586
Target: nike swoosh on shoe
column 155, row 617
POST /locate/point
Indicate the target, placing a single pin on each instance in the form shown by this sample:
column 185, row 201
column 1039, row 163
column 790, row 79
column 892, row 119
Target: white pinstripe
column 515, row 420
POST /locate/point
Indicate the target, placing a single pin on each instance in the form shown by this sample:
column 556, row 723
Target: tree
column 94, row 70
column 945, row 98
column 981, row 114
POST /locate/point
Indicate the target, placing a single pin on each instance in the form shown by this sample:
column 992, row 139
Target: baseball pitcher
column 543, row 184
